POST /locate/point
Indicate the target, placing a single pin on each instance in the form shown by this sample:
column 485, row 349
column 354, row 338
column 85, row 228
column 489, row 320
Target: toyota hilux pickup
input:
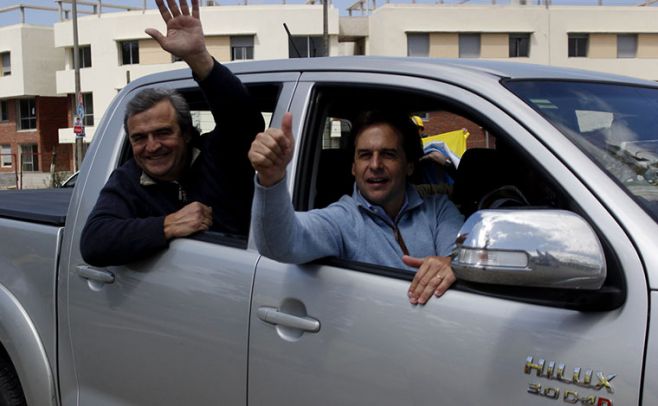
column 557, row 262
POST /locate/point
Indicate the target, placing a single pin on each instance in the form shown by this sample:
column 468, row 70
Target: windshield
column 616, row 125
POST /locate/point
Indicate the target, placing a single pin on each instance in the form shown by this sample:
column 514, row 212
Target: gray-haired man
column 177, row 183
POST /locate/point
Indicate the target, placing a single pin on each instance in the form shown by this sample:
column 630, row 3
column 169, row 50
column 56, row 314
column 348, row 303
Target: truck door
column 169, row 330
column 341, row 333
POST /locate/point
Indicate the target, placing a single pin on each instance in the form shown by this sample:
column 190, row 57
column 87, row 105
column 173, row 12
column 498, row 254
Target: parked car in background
column 70, row 181
column 557, row 289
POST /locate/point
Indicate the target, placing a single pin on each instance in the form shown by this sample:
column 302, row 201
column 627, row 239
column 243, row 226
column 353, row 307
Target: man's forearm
column 201, row 64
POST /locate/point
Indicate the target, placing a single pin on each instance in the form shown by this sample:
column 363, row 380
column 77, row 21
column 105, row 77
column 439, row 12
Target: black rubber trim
column 230, row 240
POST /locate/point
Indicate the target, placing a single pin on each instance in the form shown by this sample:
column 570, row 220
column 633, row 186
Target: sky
column 49, row 17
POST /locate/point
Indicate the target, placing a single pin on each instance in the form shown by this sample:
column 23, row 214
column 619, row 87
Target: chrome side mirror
column 533, row 248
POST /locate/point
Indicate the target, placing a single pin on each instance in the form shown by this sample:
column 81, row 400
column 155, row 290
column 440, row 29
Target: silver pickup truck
column 557, row 262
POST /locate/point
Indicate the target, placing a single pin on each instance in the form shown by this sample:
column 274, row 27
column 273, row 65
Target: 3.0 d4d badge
column 555, row 371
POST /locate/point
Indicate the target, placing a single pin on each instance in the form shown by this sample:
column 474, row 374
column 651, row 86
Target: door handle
column 272, row 315
column 94, row 274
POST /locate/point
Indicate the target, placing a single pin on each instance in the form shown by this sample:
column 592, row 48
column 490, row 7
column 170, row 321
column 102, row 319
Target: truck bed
column 46, row 206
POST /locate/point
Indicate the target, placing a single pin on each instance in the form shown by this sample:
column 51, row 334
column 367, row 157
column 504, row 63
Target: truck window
column 493, row 171
column 266, row 96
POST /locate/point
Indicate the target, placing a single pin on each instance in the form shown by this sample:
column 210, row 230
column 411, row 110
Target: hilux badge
column 555, row 371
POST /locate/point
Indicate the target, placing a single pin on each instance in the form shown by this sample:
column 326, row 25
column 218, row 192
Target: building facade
column 31, row 112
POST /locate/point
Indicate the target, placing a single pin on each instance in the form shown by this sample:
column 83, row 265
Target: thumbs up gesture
column 271, row 152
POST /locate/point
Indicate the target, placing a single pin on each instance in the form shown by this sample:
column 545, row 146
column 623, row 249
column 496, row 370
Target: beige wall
column 150, row 53
column 444, row 44
column 602, row 46
column 34, row 61
column 647, row 46
column 494, row 45
column 219, row 47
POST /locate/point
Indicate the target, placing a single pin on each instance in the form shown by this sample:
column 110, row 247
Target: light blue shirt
column 352, row 228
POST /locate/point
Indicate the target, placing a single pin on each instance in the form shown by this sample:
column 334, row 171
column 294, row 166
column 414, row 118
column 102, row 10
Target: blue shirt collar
column 411, row 200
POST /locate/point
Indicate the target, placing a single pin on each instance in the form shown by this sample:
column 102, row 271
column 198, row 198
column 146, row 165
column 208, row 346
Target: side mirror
column 532, row 248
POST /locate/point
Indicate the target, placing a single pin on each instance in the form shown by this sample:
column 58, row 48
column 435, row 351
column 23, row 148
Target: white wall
column 34, row 61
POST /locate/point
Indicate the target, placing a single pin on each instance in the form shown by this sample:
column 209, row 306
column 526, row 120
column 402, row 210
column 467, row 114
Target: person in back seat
column 384, row 222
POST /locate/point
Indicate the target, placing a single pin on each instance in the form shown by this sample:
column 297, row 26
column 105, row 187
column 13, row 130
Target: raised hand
column 271, row 152
column 184, row 37
column 434, row 277
column 190, row 219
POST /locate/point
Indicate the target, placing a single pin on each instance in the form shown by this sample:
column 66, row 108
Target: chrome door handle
column 272, row 315
column 94, row 274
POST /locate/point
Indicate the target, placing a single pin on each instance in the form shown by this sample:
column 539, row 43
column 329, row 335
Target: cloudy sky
column 47, row 17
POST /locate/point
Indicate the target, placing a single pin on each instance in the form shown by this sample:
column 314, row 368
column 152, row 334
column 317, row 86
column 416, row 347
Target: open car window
column 266, row 96
column 491, row 161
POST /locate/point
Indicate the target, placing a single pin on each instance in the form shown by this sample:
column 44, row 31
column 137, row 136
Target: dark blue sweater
column 127, row 223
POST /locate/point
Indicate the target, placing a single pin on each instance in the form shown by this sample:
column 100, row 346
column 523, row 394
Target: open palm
column 184, row 37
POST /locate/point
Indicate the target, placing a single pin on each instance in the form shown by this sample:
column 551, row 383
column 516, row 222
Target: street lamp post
column 325, row 26
column 79, row 136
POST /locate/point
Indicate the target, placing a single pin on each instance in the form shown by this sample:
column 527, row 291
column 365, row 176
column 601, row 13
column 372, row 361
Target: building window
column 88, row 102
column 418, row 44
column 6, row 64
column 4, row 110
column 242, row 47
column 626, row 45
column 578, row 44
column 129, row 52
column 84, row 53
column 27, row 114
column 29, row 158
column 469, row 45
column 306, row 46
column 519, row 45
column 5, row 156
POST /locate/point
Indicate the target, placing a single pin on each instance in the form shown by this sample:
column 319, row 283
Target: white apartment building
column 620, row 40
column 115, row 49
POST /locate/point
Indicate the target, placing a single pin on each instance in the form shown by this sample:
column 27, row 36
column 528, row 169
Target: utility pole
column 77, row 116
column 325, row 26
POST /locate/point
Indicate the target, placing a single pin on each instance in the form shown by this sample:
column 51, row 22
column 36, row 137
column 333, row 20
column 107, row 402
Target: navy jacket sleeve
column 118, row 230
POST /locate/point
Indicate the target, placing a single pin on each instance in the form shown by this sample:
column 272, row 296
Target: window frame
column 519, row 45
column 33, row 162
column 418, row 44
column 4, row 111
column 5, row 152
column 26, row 122
column 574, row 50
column 84, row 56
column 6, row 67
column 242, row 47
column 129, row 52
